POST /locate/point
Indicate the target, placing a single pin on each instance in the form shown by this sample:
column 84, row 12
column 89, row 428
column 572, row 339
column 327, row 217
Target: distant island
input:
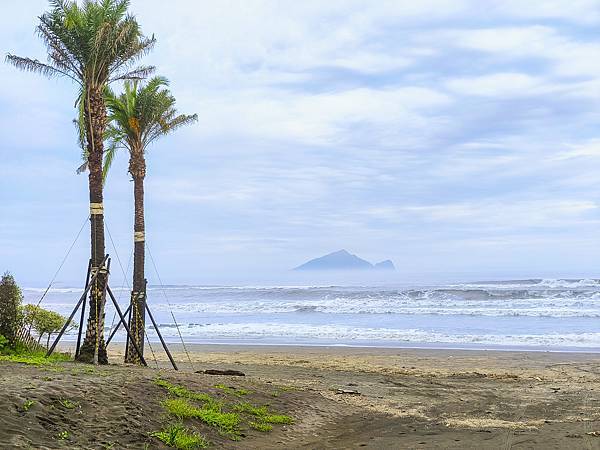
column 343, row 260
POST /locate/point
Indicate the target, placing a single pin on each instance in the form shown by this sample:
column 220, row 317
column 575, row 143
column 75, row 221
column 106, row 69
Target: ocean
column 535, row 314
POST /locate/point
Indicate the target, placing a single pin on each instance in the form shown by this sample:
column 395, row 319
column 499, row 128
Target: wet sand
column 409, row 398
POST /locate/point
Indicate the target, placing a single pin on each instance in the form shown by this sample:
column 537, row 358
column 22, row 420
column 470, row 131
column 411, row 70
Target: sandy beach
column 403, row 398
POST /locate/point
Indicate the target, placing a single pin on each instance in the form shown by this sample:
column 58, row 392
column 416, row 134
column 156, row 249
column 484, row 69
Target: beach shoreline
column 339, row 397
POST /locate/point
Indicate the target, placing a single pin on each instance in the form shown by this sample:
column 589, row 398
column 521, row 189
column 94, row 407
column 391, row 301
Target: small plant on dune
column 260, row 426
column 232, row 390
column 278, row 419
column 27, row 404
column 248, row 408
column 225, row 417
column 226, row 423
column 179, row 437
column 263, row 415
column 179, row 391
column 63, row 436
column 66, row 403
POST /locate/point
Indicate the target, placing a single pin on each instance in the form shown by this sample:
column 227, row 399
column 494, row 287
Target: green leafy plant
column 260, row 426
column 10, row 310
column 179, row 437
column 232, row 390
column 27, row 404
column 263, row 416
column 208, row 401
column 3, row 342
column 63, row 435
column 44, row 322
column 66, row 403
column 227, row 418
column 226, row 423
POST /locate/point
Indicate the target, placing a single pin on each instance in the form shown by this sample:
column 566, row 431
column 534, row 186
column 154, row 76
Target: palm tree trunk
column 137, row 323
column 93, row 349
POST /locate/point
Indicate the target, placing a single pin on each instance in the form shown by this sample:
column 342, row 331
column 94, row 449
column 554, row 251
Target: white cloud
column 579, row 11
column 494, row 215
column 497, row 85
column 568, row 56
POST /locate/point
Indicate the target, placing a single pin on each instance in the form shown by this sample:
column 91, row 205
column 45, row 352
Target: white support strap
column 139, row 236
column 96, row 209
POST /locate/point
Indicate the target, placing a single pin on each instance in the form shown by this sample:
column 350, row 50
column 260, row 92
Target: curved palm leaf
column 142, row 114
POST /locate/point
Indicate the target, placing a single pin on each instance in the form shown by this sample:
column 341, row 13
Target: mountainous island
column 343, row 260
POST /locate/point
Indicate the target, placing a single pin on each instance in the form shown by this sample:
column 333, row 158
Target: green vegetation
column 44, row 322
column 63, row 436
column 34, row 358
column 27, row 404
column 179, row 437
column 10, row 310
column 3, row 342
column 226, row 423
column 260, row 426
column 16, row 321
column 228, row 418
column 66, row 403
column 262, row 414
column 179, row 391
column 232, row 391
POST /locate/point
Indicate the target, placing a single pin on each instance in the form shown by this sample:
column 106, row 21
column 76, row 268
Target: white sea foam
column 348, row 334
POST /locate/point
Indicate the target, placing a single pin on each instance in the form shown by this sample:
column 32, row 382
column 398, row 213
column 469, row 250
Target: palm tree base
column 86, row 353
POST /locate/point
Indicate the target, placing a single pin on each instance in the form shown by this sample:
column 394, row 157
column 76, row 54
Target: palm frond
column 35, row 66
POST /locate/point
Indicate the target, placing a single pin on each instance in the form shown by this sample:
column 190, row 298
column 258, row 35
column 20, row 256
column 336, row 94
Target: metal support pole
column 162, row 341
column 83, row 296
column 137, row 349
column 112, row 334
column 80, row 331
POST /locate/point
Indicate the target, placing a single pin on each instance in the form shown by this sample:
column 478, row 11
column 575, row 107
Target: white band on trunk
column 139, row 236
column 96, row 209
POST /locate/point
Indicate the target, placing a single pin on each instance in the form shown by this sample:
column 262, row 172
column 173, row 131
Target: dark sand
column 409, row 399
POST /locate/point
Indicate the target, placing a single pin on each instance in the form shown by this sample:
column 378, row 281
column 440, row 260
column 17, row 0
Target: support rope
column 170, row 307
column 63, row 261
column 57, row 272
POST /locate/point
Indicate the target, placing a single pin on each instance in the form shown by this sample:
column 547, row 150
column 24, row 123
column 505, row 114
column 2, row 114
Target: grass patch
column 228, row 419
column 179, row 437
column 232, row 391
column 248, row 408
column 226, row 423
column 36, row 358
column 262, row 414
column 278, row 419
column 208, row 401
column 261, row 426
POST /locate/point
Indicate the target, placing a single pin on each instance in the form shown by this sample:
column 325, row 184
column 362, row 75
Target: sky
column 458, row 138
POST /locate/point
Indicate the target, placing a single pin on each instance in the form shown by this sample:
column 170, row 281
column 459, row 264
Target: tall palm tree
column 138, row 117
column 93, row 45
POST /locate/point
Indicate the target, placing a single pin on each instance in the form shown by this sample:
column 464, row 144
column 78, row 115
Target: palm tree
column 93, row 45
column 138, row 117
